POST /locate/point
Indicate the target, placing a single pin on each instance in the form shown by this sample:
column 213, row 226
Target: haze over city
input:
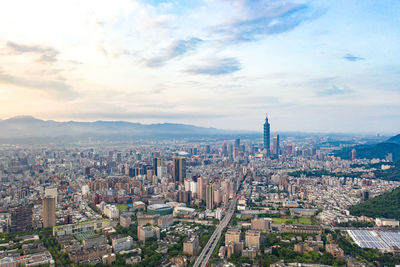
column 314, row 66
column 199, row 133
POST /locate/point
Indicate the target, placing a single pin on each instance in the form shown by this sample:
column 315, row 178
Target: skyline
column 314, row 66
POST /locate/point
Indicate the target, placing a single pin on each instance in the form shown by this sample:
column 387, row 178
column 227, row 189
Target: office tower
column 224, row 149
column 201, row 187
column 157, row 162
column 49, row 211
column 179, row 169
column 275, row 145
column 51, row 192
column 267, row 138
column 209, row 197
column 232, row 236
column 353, row 154
column 21, row 219
column 208, row 149
column 237, row 143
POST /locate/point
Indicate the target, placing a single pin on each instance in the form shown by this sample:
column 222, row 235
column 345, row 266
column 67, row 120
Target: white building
column 85, row 189
column 122, row 243
column 111, row 211
column 386, row 222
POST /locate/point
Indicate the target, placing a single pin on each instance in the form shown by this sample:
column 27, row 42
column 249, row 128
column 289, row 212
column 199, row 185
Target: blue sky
column 322, row 66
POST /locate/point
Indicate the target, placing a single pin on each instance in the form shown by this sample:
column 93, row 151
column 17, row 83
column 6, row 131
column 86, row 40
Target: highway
column 208, row 249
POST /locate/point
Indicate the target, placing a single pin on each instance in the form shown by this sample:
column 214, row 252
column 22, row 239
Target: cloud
column 46, row 54
column 217, row 67
column 57, row 88
column 352, row 58
column 176, row 49
column 265, row 18
column 335, row 91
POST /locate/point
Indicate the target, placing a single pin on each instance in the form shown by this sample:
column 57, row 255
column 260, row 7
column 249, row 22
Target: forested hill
column 380, row 151
column 384, row 206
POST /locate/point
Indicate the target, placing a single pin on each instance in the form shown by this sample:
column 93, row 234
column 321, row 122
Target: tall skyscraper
column 201, row 187
column 21, row 219
column 179, row 169
column 224, row 149
column 275, row 145
column 209, row 197
column 237, row 143
column 267, row 137
column 157, row 162
column 49, row 211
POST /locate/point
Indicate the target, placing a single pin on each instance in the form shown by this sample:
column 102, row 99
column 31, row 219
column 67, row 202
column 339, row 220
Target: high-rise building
column 191, row 245
column 275, row 145
column 267, row 138
column 253, row 238
column 224, row 149
column 232, row 236
column 21, row 219
column 179, row 169
column 52, row 192
column 201, row 187
column 353, row 154
column 157, row 162
column 49, row 211
column 237, row 143
column 209, row 197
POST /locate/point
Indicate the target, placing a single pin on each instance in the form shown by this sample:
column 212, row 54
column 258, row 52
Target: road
column 208, row 249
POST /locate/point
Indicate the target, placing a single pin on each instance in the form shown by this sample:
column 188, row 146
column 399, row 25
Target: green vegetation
column 285, row 251
column 369, row 152
column 131, row 231
column 292, row 220
column 386, row 206
column 392, row 174
column 320, row 173
column 122, row 207
column 49, row 241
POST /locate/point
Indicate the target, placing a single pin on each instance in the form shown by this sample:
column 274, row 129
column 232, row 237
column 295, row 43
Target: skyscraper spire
column 267, row 138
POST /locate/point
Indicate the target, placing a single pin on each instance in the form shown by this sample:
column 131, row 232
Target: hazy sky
column 311, row 65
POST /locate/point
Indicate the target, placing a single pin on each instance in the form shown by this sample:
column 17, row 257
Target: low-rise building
column 120, row 243
column 386, row 222
column 86, row 226
column 334, row 250
column 263, row 224
column 298, row 228
column 91, row 254
column 43, row 258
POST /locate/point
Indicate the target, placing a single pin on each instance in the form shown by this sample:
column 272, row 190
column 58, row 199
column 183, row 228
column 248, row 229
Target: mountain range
column 26, row 129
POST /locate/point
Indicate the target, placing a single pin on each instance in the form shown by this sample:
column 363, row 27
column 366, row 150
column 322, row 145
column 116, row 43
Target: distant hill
column 385, row 206
column 380, row 150
column 27, row 129
column 395, row 139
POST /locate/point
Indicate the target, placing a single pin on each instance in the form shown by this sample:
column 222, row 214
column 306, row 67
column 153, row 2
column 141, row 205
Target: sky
column 313, row 66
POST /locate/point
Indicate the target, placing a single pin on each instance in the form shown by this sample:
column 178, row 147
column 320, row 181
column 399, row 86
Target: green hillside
column 383, row 206
column 369, row 152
